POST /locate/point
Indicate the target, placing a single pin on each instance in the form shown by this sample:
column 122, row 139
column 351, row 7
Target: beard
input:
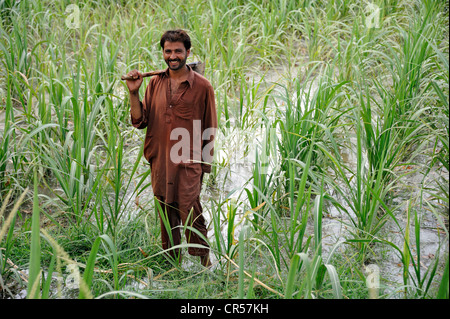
column 180, row 63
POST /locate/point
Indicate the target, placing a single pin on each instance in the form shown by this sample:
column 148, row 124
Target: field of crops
column 331, row 169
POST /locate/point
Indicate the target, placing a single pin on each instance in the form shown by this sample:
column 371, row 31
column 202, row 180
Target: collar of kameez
column 190, row 78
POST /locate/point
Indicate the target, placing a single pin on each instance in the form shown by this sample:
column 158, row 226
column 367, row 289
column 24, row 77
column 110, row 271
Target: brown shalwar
column 179, row 147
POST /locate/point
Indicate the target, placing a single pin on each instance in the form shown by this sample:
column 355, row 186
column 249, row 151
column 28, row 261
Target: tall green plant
column 35, row 271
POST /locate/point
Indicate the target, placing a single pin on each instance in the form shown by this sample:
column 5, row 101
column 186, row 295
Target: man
column 177, row 103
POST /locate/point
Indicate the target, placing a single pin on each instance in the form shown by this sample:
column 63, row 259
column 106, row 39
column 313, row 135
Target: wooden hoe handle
column 198, row 67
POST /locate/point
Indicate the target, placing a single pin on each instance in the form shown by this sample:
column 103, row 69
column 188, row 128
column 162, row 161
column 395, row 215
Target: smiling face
column 175, row 55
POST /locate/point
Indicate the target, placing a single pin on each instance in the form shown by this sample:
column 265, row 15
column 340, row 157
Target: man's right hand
column 134, row 85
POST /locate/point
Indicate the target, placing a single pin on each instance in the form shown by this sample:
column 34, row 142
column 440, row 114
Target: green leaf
column 291, row 276
column 335, row 283
column 443, row 287
column 35, row 254
column 89, row 271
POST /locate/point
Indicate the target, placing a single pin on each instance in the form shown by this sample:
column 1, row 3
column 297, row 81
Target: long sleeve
column 141, row 123
column 209, row 130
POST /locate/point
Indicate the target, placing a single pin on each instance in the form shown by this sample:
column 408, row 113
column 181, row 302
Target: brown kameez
column 184, row 121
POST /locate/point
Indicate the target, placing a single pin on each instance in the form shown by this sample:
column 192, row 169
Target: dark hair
column 176, row 36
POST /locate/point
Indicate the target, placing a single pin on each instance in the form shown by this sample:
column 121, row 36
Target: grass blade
column 241, row 263
column 35, row 253
column 335, row 283
column 89, row 271
column 291, row 276
column 443, row 287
